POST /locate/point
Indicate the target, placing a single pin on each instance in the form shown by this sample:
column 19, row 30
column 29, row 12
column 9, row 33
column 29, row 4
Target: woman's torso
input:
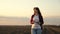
column 35, row 25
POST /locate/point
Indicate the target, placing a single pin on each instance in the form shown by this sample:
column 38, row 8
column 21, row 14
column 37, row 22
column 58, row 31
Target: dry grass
column 48, row 29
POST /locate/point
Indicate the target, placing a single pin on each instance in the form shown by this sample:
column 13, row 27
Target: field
column 48, row 29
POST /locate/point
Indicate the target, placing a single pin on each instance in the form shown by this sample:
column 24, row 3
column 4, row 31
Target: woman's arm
column 31, row 20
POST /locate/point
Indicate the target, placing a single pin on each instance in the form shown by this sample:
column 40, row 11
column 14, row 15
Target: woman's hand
column 32, row 22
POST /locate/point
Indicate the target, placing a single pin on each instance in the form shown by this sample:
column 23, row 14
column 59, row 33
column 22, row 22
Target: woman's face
column 35, row 11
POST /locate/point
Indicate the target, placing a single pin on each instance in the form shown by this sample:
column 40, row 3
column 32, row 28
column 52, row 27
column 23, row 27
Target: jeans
column 36, row 31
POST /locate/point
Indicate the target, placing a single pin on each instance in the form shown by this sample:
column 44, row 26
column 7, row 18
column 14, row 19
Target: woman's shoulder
column 32, row 15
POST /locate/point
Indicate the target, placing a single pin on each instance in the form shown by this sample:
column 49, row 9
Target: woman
column 36, row 21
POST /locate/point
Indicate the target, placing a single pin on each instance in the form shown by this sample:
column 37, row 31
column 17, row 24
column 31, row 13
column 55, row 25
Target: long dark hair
column 40, row 16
